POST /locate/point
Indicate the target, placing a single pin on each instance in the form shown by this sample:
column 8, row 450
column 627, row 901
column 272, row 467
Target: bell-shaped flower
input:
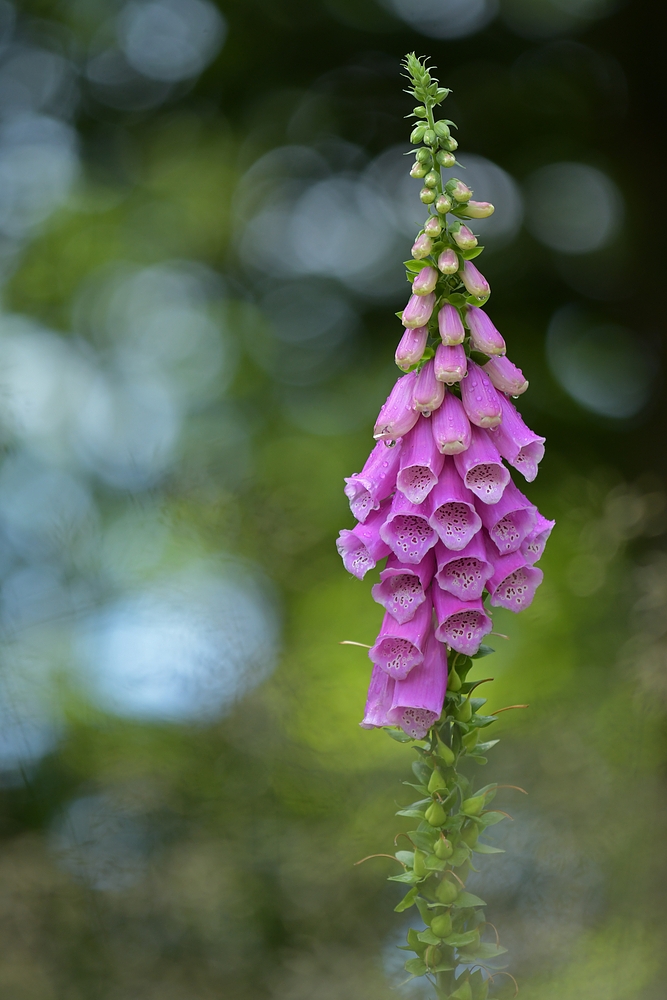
column 481, row 468
column 474, row 280
column 505, row 376
column 425, row 281
column 483, row 335
column 451, row 427
column 378, row 702
column 429, row 392
column 450, row 325
column 376, row 481
column 420, row 463
column 514, row 582
column 480, row 400
column 509, row 521
column 478, row 209
column 523, row 448
column 362, row 547
column 461, row 624
column 464, row 238
column 453, row 516
column 450, row 363
column 397, row 415
column 418, row 700
column 398, row 648
column 422, row 247
column 411, row 347
column 533, row 546
column 407, row 531
column 418, row 310
column 403, row 588
column 464, row 574
column 448, row 261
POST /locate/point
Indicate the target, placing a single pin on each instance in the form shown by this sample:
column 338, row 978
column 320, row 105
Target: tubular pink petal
column 397, row 415
column 403, row 588
column 399, row 648
column 481, row 468
column 418, row 310
column 483, row 335
column 422, row 247
column 376, row 480
column 522, row 448
column 480, row 400
column 421, row 463
column 451, row 427
column 461, row 624
column 429, row 392
column 378, row 702
column 448, row 262
column 454, row 517
column 514, row 582
column 479, row 209
column 407, row 531
column 425, row 281
column 533, row 546
column 362, row 547
column 474, row 280
column 505, row 376
column 411, row 347
column 464, row 574
column 418, row 700
column 509, row 521
column 464, row 238
column 450, row 363
column 450, row 325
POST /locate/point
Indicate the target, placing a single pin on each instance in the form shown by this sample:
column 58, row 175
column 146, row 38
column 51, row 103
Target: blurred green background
column 203, row 214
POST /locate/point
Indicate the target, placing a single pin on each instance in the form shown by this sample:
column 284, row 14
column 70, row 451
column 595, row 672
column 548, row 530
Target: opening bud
column 431, row 179
column 450, row 325
column 464, row 238
column 418, row 310
column 445, row 159
column 474, row 280
column 443, row 204
column 479, row 209
column 448, row 262
column 433, row 226
column 459, row 191
column 427, row 196
column 425, row 281
column 421, row 247
column 411, row 347
column 418, row 170
column 451, row 144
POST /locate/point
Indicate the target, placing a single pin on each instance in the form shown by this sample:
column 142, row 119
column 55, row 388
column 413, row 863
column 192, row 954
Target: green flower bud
column 442, row 130
column 420, row 111
column 458, row 190
column 429, row 137
column 417, row 134
column 436, row 782
column 427, row 195
column 446, row 892
column 424, row 156
column 451, row 144
column 418, row 170
column 445, row 159
column 474, row 805
column 433, row 226
column 432, row 955
column 470, row 739
column 453, row 681
column 464, row 712
column 470, row 834
column 431, row 179
column 442, row 925
column 445, row 752
column 436, row 815
column 418, row 867
column 443, row 204
column 443, row 849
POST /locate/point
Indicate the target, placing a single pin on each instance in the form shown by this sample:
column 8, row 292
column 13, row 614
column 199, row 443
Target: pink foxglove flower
column 407, row 531
column 509, row 521
column 376, row 480
column 451, row 427
column 397, row 415
column 521, row 447
column 411, row 347
column 422, row 247
column 429, row 392
column 483, row 335
column 378, row 702
column 417, row 701
column 481, row 468
column 400, row 647
column 479, row 209
column 461, row 624
column 418, row 310
column 514, row 582
column 474, row 280
column 464, row 238
column 362, row 547
column 533, row 546
column 480, row 400
column 450, row 364
column 454, row 516
column 420, row 463
column 425, row 281
column 464, row 574
column 505, row 376
column 448, row 262
column 450, row 325
column 402, row 588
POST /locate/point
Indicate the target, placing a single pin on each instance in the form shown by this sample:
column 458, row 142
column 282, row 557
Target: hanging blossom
column 436, row 499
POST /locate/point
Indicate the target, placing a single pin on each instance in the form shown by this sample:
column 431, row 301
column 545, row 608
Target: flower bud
column 450, row 425
column 424, row 156
column 505, row 376
column 448, row 262
column 429, row 391
column 420, row 112
column 418, row 170
column 480, row 400
column 464, row 238
column 474, row 805
column 427, row 196
column 433, row 226
column 436, row 782
column 454, row 681
column 450, row 325
column 464, row 711
column 443, row 849
column 442, row 925
column 450, row 363
column 429, row 137
column 451, row 144
column 418, row 310
column 411, row 347
column 474, row 280
column 470, row 834
column 425, row 281
column 397, row 415
column 479, row 209
column 431, row 179
column 442, row 130
column 435, row 815
column 483, row 335
column 470, row 739
column 446, row 892
column 421, row 247
column 443, row 204
column 445, row 752
column 445, row 159
column 417, row 134
column 458, row 190
column 418, row 865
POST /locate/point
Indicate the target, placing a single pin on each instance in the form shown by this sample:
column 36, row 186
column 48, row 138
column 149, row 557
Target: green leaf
column 490, row 950
column 443, row 967
column 416, row 966
column 398, row 734
column 486, row 746
column 405, row 857
column 458, row 300
column 421, row 771
column 486, row 849
column 411, row 813
column 465, row 899
column 471, row 254
column 461, row 940
column 491, row 818
column 416, row 265
column 424, row 841
column 478, row 759
column 478, row 357
column 418, row 788
column 428, row 937
column 408, row 877
column 407, row 901
column 487, row 788
column 434, row 864
column 423, row 908
column 472, row 300
column 460, row 855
